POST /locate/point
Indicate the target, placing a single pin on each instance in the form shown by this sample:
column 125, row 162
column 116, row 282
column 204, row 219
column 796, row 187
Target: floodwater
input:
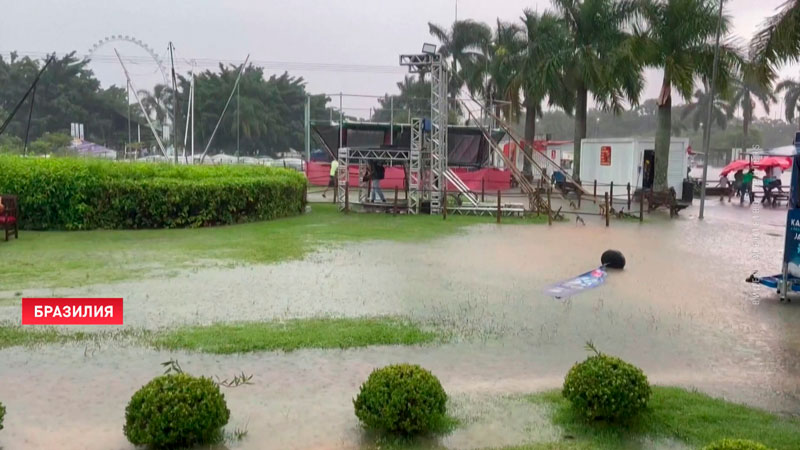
column 680, row 310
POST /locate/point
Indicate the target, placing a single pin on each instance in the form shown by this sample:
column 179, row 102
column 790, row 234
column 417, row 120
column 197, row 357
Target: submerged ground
column 680, row 310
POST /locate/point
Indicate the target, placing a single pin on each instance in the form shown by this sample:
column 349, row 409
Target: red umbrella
column 783, row 162
column 739, row 164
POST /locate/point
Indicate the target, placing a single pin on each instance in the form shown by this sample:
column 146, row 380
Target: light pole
column 707, row 128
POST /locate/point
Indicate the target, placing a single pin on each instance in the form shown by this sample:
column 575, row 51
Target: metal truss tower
column 436, row 163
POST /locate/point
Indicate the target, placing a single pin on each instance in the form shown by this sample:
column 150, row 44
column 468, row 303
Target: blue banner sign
column 576, row 285
column 791, row 250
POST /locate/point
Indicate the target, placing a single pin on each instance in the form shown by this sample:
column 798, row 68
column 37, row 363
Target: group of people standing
column 375, row 173
column 743, row 184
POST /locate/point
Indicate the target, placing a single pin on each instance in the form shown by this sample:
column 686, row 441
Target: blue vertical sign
column 791, row 250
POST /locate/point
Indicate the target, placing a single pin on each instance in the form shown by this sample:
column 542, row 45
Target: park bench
column 667, row 199
column 9, row 216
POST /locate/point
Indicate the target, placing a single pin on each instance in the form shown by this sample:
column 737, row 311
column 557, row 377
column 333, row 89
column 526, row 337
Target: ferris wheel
column 131, row 40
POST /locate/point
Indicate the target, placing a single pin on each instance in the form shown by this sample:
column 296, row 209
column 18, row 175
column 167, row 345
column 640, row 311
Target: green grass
column 69, row 259
column 243, row 337
column 295, row 334
column 673, row 414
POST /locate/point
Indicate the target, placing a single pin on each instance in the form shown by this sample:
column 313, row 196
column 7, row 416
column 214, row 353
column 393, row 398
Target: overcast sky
column 315, row 35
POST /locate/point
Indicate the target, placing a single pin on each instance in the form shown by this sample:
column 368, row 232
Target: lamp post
column 707, row 128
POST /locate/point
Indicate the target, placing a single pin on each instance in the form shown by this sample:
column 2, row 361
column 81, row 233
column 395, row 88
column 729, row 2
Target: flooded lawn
column 680, row 310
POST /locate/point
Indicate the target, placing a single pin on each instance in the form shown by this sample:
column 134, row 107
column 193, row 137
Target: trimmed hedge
column 176, row 411
column 606, row 387
column 79, row 194
column 735, row 444
column 401, row 399
column 2, row 415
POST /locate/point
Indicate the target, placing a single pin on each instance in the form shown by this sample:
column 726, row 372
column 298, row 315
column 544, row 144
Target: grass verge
column 244, row 337
column 75, row 258
column 295, row 334
column 673, row 414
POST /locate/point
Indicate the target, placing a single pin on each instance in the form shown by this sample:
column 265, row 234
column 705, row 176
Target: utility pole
column 707, row 128
column 174, row 101
column 238, row 121
column 391, row 120
column 341, row 120
column 128, row 92
column 307, row 128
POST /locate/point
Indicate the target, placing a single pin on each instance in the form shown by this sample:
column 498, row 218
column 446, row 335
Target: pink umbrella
column 739, row 164
column 783, row 162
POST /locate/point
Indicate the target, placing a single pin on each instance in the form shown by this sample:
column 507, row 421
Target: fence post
column 346, row 197
column 629, row 196
column 549, row 209
column 595, row 188
column 483, row 189
column 606, row 197
column 611, row 194
column 641, row 205
column 499, row 212
column 579, row 198
column 335, row 189
column 395, row 200
column 444, row 202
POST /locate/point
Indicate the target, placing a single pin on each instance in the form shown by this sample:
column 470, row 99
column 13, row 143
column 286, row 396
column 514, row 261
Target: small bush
column 79, row 194
column 735, row 444
column 605, row 387
column 2, row 415
column 401, row 399
column 175, row 411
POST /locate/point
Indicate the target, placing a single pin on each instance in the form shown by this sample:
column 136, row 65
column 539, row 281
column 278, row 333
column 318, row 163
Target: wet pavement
column 680, row 310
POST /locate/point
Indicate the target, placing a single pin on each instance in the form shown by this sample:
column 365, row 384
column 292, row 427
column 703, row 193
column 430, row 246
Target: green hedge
column 79, row 194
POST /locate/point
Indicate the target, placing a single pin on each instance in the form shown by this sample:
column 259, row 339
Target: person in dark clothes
column 377, row 172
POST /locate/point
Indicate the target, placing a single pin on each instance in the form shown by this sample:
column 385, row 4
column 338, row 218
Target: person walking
column 737, row 182
column 747, row 186
column 725, row 184
column 377, row 172
column 332, row 179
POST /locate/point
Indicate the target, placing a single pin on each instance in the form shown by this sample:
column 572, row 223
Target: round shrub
column 401, row 399
column 735, row 444
column 175, row 411
column 2, row 415
column 608, row 388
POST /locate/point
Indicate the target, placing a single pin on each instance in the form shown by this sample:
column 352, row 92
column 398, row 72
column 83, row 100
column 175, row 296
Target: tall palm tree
column 779, row 40
column 464, row 43
column 791, row 98
column 747, row 88
column 720, row 109
column 490, row 74
column 602, row 61
column 540, row 73
column 678, row 37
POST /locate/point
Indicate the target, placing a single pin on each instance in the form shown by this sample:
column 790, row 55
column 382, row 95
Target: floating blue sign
column 576, row 285
column 791, row 249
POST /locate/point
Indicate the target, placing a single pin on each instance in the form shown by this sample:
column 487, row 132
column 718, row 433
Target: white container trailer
column 630, row 160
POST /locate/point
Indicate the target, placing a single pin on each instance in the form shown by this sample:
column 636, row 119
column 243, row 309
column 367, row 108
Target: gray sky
column 316, row 33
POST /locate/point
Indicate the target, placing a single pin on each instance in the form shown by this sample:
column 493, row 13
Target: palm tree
column 464, row 43
column 158, row 103
column 791, row 98
column 678, row 38
column 779, row 40
column 490, row 74
column 602, row 61
column 720, row 109
column 540, row 73
column 748, row 87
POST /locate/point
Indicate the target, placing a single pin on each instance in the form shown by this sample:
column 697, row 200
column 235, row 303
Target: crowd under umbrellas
column 743, row 169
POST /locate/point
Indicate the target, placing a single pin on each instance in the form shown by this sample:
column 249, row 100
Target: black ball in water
column 613, row 259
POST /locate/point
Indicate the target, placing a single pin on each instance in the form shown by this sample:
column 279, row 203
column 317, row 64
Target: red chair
column 8, row 218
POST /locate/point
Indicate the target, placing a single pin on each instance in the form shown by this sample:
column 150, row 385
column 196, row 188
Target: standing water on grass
column 680, row 310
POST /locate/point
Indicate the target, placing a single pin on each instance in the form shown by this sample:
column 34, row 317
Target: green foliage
column 735, row 444
column 2, row 415
column 608, row 388
column 295, row 334
column 50, row 143
column 175, row 411
column 401, row 399
column 75, row 194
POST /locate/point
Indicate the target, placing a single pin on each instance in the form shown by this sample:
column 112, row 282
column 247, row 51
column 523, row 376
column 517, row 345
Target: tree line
column 559, row 57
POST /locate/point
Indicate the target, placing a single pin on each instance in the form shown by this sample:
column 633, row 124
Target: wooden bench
column 9, row 216
column 666, row 199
